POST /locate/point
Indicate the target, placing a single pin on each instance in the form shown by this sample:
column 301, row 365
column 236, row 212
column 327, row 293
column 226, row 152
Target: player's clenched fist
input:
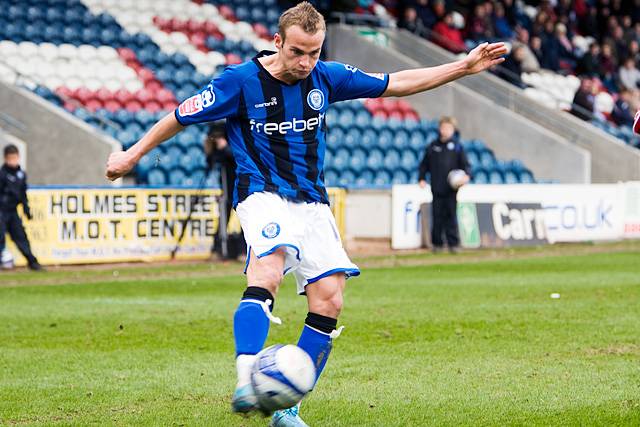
column 119, row 163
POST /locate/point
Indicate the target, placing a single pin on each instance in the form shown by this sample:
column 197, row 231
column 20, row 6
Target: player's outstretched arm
column 408, row 82
column 121, row 162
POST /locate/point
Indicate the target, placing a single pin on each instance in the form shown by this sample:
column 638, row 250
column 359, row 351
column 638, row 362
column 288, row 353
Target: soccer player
column 275, row 107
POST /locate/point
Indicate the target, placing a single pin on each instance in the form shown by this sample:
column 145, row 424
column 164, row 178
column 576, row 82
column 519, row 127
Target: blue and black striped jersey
column 277, row 130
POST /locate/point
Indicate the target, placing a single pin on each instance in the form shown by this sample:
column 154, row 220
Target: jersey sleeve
column 218, row 100
column 348, row 82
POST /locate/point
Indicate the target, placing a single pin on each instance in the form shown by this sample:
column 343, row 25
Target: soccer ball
column 6, row 260
column 456, row 178
column 281, row 376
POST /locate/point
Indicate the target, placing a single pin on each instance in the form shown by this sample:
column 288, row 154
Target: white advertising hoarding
column 573, row 213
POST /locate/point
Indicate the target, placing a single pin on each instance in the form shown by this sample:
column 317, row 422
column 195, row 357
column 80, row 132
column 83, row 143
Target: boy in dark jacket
column 13, row 191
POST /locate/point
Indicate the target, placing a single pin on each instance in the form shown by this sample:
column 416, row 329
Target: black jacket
column 439, row 159
column 13, row 189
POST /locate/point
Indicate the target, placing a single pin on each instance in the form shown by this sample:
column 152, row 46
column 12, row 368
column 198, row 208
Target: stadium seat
column 156, row 177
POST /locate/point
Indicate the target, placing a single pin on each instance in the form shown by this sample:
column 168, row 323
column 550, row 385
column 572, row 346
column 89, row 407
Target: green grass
column 478, row 342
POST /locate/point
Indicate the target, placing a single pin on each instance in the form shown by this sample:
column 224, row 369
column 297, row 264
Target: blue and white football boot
column 244, row 400
column 288, row 418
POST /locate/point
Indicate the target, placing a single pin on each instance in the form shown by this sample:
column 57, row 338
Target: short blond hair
column 303, row 15
column 450, row 120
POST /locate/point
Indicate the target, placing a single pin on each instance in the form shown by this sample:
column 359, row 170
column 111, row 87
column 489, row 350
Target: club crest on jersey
column 208, row 96
column 271, row 230
column 315, row 99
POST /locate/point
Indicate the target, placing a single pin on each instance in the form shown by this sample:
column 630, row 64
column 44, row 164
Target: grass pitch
column 428, row 341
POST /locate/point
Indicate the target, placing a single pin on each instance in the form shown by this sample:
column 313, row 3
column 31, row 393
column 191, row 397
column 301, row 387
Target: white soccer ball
column 6, row 260
column 457, row 178
column 281, row 376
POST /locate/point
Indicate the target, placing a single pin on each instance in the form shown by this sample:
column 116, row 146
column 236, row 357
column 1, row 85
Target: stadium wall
column 605, row 149
column 61, row 148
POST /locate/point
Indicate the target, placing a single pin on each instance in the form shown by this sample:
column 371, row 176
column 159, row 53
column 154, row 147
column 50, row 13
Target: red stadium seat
column 93, row 105
column 103, row 95
column 261, row 31
column 152, row 106
column 123, row 96
column 153, row 85
column 232, row 58
column 126, row 54
column 133, row 106
column 143, row 95
column 164, row 95
column 112, row 106
column 227, row 13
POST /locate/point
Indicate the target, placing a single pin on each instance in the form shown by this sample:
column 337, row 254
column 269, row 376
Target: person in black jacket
column 440, row 158
column 219, row 153
column 13, row 192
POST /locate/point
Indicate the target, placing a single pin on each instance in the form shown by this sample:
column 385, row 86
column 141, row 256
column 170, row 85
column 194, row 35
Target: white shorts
column 307, row 231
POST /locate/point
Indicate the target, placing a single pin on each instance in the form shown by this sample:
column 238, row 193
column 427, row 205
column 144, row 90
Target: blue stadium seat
column 177, row 177
column 363, row 119
column 400, row 177
column 375, row 159
column 330, row 177
column 368, row 139
column 196, row 177
column 526, row 177
column 495, row 177
column 472, row 157
column 365, row 178
column 401, row 139
column 385, row 139
column 171, row 158
column 409, row 161
column 480, row 176
column 335, row 136
column 378, row 123
column 341, row 159
column 352, row 138
column 511, row 177
column 357, row 161
column 392, row 160
column 346, row 119
column 486, row 159
column 346, row 178
column 382, row 177
column 156, row 177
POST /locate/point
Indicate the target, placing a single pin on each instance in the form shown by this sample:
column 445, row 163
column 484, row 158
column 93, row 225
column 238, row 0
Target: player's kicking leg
column 251, row 323
column 325, row 302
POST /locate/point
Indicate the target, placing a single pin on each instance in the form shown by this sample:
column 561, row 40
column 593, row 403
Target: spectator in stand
column 501, row 26
column 550, row 48
column 480, row 26
column 536, row 49
column 622, row 113
column 511, row 69
column 425, row 14
column 634, row 50
column 607, row 66
column 584, row 99
column 565, row 48
column 629, row 75
column 588, row 24
column 530, row 62
column 439, row 10
column 446, row 35
column 411, row 22
column 620, row 43
column 589, row 64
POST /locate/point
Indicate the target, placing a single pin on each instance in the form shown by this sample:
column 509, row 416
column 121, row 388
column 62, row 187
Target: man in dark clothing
column 219, row 152
column 440, row 158
column 13, row 191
